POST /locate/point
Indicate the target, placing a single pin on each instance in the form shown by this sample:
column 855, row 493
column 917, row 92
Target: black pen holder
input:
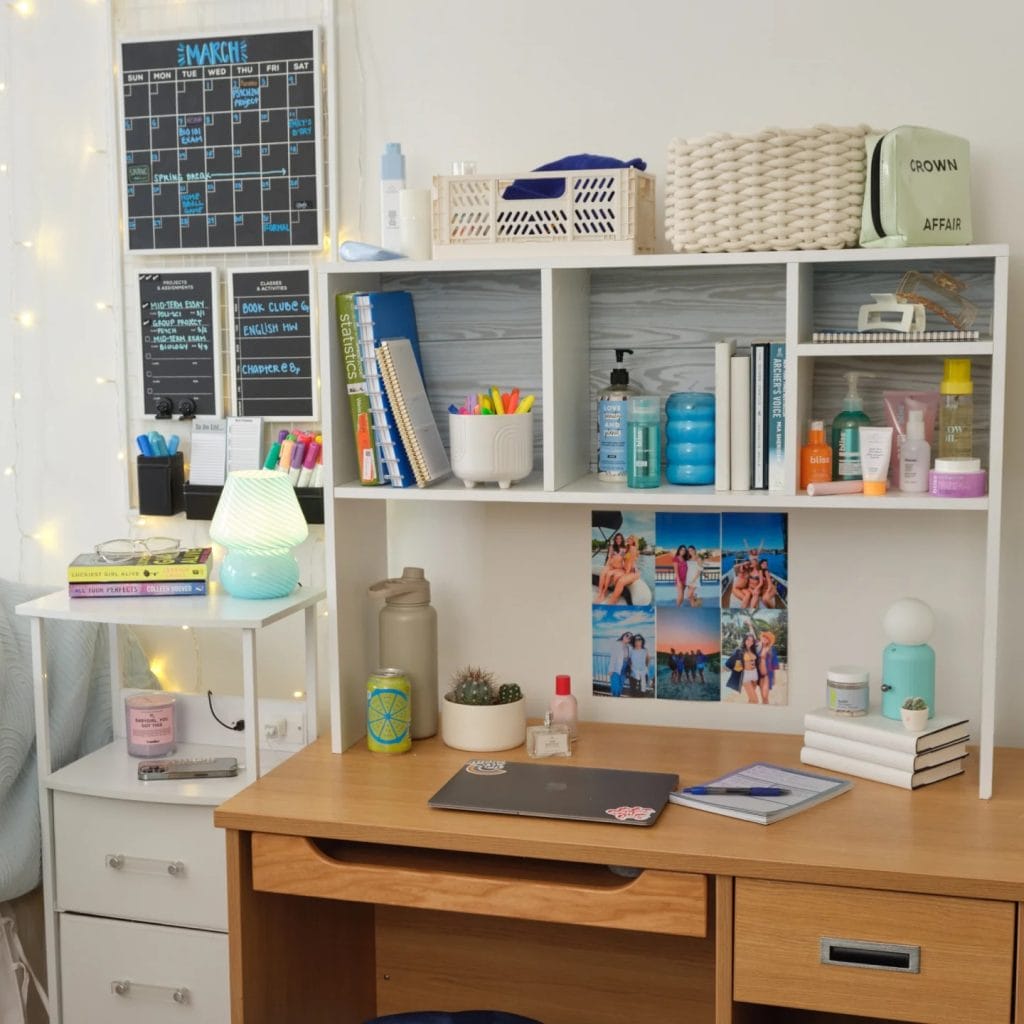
column 161, row 484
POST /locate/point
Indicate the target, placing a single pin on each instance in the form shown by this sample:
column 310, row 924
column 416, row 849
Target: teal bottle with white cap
column 846, row 431
column 643, row 441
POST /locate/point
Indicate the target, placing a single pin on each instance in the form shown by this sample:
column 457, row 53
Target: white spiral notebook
column 411, row 408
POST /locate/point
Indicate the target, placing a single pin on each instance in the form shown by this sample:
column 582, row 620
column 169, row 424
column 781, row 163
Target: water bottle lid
column 563, row 686
column 412, row 587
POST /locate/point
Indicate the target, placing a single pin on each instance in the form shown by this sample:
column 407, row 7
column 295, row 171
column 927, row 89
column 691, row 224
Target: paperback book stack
column 881, row 749
column 174, row 574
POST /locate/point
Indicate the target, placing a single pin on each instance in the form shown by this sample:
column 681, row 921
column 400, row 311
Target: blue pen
column 172, row 444
column 156, row 442
column 144, row 446
column 735, row 790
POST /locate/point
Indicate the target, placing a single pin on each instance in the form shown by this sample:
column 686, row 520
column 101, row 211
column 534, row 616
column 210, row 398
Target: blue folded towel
column 553, row 188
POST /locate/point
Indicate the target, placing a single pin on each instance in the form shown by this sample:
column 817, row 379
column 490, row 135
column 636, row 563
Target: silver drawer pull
column 153, row 993
column 879, row 956
column 145, row 865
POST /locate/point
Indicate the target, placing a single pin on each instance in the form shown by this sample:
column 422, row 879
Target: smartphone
column 188, row 768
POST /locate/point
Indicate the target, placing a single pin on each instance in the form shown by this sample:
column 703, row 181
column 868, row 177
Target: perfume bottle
column 548, row 740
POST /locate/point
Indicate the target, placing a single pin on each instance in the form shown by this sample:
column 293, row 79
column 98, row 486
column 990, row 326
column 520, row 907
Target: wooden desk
column 349, row 897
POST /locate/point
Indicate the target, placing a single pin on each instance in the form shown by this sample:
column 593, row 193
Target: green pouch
column 918, row 189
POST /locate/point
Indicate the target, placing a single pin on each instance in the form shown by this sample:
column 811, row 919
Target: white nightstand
column 134, row 875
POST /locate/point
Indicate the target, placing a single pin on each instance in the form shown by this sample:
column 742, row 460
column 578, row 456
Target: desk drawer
column 145, row 861
column 172, row 975
column 964, row 947
column 665, row 902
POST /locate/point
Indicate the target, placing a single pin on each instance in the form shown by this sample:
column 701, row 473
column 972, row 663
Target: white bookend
column 889, row 732
column 739, row 423
column 724, row 351
column 880, row 772
column 903, row 760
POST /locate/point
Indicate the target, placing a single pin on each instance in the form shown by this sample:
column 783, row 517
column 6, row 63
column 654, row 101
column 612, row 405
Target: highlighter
column 525, row 405
column 298, row 454
column 272, row 456
column 172, row 444
column 285, row 462
column 513, row 400
column 499, row 409
column 144, row 446
column 309, row 464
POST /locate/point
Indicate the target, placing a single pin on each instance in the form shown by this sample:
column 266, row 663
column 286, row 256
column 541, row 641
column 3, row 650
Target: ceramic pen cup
column 491, row 449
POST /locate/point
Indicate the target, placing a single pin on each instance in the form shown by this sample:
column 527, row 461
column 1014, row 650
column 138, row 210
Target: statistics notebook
column 411, row 410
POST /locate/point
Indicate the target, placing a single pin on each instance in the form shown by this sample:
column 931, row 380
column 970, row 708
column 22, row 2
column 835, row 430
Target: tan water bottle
column 408, row 640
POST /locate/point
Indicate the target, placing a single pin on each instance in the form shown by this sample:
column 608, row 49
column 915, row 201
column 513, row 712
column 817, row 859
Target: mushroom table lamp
column 258, row 520
column 908, row 663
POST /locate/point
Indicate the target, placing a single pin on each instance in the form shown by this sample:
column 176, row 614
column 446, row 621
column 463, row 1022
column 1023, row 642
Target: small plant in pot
column 914, row 713
column 480, row 715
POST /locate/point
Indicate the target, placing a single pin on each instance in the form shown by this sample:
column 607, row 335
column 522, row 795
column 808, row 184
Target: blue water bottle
column 690, row 452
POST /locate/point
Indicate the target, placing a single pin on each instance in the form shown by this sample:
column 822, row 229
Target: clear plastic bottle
column 611, row 422
column 915, row 455
column 564, row 710
column 643, row 441
column 956, row 410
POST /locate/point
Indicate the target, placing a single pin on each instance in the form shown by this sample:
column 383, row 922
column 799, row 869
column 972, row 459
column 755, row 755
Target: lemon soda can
column 388, row 712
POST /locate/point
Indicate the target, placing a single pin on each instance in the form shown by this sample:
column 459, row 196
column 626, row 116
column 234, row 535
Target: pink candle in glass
column 149, row 724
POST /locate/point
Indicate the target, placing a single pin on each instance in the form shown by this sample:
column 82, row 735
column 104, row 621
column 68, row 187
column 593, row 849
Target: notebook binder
column 411, row 409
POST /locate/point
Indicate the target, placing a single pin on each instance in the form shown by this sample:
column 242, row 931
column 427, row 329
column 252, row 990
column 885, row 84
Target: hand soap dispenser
column 908, row 663
column 846, row 431
column 611, row 422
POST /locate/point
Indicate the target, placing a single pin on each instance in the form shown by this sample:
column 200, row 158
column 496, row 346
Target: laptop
column 557, row 791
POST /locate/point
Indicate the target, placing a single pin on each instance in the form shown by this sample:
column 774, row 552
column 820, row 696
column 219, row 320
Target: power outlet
column 284, row 730
column 295, row 727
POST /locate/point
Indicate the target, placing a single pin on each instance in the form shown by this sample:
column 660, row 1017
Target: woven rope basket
column 778, row 189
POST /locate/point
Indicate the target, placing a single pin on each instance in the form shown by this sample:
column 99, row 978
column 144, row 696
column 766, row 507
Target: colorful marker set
column 494, row 402
column 153, row 444
column 300, row 455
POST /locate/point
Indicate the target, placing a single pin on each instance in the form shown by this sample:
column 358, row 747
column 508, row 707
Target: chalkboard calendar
column 273, row 371
column 222, row 142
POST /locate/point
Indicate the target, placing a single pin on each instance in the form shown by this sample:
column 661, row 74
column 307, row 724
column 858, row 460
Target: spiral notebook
column 411, row 408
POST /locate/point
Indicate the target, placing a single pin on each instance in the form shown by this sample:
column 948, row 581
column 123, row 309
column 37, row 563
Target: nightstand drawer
column 144, row 861
column 900, row 956
column 115, row 971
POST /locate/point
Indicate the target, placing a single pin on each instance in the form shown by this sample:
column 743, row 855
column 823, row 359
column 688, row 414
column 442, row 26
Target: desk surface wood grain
column 940, row 839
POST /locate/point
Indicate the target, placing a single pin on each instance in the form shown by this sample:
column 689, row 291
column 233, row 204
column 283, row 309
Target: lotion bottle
column 392, row 181
column 564, row 710
column 815, row 457
column 643, row 441
column 611, row 422
column 846, row 432
column 915, row 455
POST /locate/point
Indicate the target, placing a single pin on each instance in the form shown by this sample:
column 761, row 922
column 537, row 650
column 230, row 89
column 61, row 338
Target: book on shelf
column 806, row 790
column 889, row 732
column 139, row 588
column 777, row 416
column 739, row 423
column 839, row 336
column 381, row 315
column 407, row 397
column 355, row 388
column 759, row 351
column 724, row 351
column 904, row 760
column 881, row 772
column 184, row 564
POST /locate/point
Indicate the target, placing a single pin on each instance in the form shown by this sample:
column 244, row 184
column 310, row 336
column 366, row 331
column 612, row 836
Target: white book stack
column 878, row 748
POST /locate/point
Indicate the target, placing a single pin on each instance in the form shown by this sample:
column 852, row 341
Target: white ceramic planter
column 491, row 449
column 483, row 727
column 914, row 721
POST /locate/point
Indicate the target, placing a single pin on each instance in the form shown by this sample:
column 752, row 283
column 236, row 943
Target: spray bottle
column 408, row 640
column 611, row 422
column 846, row 431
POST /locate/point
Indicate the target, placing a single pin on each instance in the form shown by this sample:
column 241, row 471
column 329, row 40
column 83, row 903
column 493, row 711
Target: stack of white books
column 878, row 748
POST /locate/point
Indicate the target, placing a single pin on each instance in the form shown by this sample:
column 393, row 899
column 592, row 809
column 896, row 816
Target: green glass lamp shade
column 258, row 520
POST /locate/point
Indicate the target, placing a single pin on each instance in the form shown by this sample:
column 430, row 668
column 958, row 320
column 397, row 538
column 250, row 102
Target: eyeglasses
column 123, row 549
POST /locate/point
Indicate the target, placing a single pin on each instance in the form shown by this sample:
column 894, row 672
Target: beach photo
column 755, row 560
column 689, row 653
column 622, row 558
column 624, row 653
column 755, row 657
column 688, row 557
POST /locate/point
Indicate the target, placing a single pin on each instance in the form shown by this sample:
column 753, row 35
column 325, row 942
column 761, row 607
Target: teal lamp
column 258, row 521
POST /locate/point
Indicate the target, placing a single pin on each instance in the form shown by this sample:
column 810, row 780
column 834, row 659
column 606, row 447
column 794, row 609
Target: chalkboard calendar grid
column 221, row 142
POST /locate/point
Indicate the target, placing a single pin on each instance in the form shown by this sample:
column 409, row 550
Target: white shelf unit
column 550, row 327
column 134, row 874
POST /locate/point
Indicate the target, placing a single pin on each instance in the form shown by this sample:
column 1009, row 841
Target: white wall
column 510, row 86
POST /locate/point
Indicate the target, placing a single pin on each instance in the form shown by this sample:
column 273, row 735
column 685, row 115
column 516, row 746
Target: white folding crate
column 606, row 211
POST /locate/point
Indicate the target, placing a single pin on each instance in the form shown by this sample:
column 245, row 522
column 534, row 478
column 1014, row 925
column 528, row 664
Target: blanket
column 78, row 666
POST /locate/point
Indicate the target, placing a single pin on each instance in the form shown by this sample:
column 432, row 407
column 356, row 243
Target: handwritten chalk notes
column 221, row 145
column 273, row 368
column 180, row 345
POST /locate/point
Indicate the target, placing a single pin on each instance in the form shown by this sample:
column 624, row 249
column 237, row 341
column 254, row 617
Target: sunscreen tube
column 875, row 452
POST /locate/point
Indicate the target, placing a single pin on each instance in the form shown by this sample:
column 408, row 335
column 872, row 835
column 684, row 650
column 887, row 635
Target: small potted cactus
column 480, row 715
column 914, row 713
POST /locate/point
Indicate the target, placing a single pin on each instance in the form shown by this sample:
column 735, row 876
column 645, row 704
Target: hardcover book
column 888, row 732
column 880, row 772
column 186, row 564
column 906, row 761
column 355, row 387
column 776, row 416
column 142, row 588
column 759, row 351
column 724, row 351
column 739, row 428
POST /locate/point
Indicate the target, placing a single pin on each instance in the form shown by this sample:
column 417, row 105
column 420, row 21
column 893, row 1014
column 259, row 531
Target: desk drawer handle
column 153, row 993
column 146, row 865
column 880, row 956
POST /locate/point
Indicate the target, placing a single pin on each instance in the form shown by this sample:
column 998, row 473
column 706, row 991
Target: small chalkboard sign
column 221, row 142
column 180, row 344
column 272, row 363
